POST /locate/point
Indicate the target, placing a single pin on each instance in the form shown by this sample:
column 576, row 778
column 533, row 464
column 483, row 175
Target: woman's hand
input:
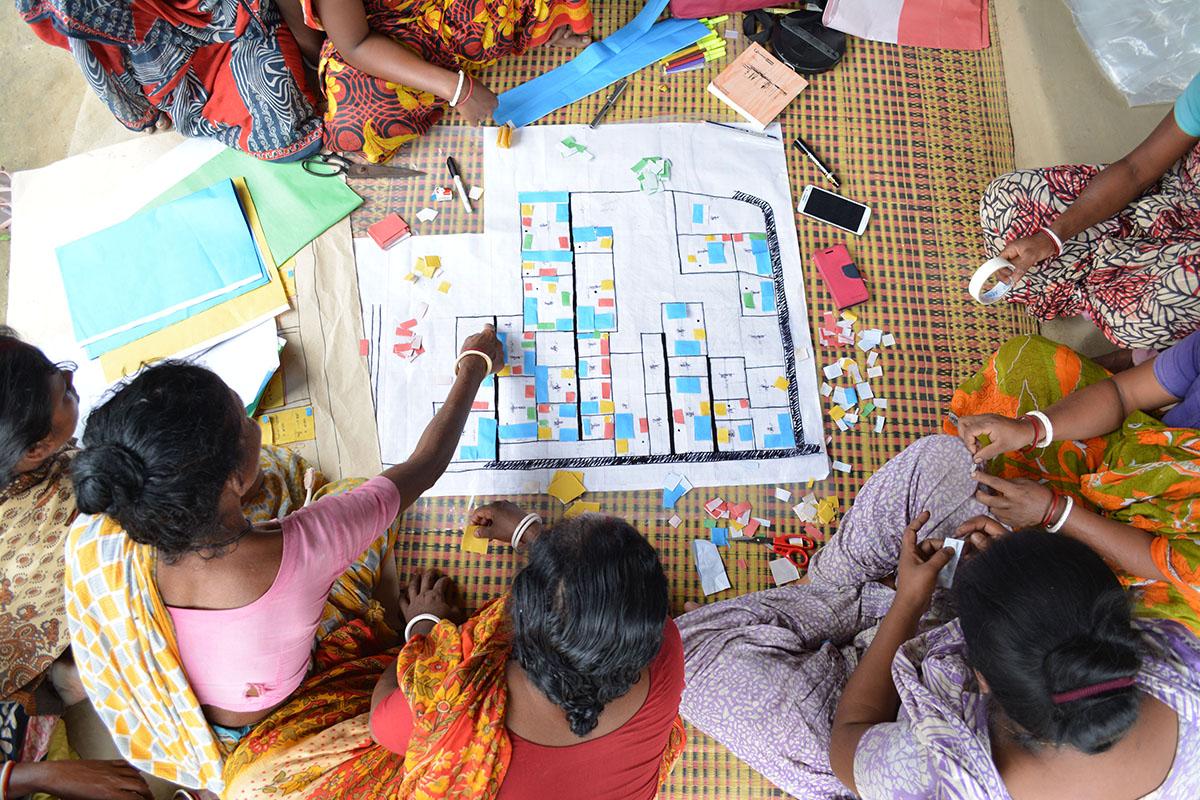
column 487, row 342
column 480, row 103
column 1019, row 503
column 430, row 592
column 1024, row 254
column 917, row 572
column 979, row 532
column 499, row 519
column 1006, row 435
column 79, row 780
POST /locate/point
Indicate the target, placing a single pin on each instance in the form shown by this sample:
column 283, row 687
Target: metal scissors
column 794, row 548
column 327, row 165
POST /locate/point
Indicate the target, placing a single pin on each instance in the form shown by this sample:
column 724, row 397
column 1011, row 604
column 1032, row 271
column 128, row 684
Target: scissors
column 327, row 165
column 793, row 548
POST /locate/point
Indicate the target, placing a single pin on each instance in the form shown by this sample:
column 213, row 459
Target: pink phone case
column 841, row 276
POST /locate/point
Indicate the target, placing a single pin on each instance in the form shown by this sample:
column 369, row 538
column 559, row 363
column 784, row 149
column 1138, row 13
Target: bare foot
column 690, row 605
column 1116, row 361
column 65, row 677
column 163, row 123
column 566, row 38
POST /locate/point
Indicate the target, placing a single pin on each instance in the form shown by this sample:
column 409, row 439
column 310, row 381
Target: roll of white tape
column 997, row 292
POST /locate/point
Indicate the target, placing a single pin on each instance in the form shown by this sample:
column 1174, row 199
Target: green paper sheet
column 295, row 207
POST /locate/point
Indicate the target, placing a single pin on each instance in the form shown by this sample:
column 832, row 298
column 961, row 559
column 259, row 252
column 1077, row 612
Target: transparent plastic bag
column 1149, row 49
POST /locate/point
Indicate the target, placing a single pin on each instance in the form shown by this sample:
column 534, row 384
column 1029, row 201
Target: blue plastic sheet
column 158, row 267
column 640, row 43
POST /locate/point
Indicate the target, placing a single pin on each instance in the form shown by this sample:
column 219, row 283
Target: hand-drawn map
column 646, row 332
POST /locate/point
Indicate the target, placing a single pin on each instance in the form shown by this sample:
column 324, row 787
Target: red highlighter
column 841, row 276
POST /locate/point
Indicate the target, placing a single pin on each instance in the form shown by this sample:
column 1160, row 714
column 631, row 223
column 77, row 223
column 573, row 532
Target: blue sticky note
column 716, row 253
column 697, row 213
column 623, row 426
column 531, row 311
column 527, row 198
column 768, row 295
column 585, row 318
column 541, row 382
column 562, row 213
column 526, row 430
column 487, row 438
column 568, row 435
column 606, row 322
column 758, row 245
column 468, row 454
column 586, row 234
column 676, row 310
column 702, row 428
column 671, row 496
column 686, row 347
column 547, row 256
column 785, row 430
column 158, row 267
column 762, row 263
column 567, row 410
column 720, row 537
column 583, row 369
column 529, row 362
column 687, row 385
column 589, row 407
column 746, row 433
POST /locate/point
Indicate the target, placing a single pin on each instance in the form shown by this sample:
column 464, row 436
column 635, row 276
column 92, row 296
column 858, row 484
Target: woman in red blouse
column 567, row 687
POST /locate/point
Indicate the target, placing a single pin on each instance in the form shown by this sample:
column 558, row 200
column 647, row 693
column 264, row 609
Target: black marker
column 458, row 184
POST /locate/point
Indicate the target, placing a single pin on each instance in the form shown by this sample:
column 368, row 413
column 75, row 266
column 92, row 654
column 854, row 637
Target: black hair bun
column 1093, row 724
column 108, row 478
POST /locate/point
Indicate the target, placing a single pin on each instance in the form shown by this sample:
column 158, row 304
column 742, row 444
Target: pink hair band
column 1091, row 691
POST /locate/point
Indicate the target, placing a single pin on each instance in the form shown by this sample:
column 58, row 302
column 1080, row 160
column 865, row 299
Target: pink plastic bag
column 694, row 9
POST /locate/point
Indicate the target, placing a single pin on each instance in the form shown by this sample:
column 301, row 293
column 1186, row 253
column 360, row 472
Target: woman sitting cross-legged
column 566, row 687
column 391, row 68
column 1052, row 427
column 197, row 589
column 862, row 681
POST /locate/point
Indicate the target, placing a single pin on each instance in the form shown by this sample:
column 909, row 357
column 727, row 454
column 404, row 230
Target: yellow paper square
column 723, row 435
column 434, row 261
column 722, row 409
column 543, row 433
column 691, row 259
column 268, row 436
column 567, row 372
column 836, row 413
column 470, row 543
column 699, row 334
column 272, row 396
column 622, row 446
column 705, row 409
column 607, row 283
column 444, row 287
column 287, row 272
column 606, row 243
column 565, row 486
column 607, row 407
column 781, row 383
column 526, row 209
column 581, row 508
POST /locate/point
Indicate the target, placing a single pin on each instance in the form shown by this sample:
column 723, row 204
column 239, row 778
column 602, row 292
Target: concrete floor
column 1062, row 110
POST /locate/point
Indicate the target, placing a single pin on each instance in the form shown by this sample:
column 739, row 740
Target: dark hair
column 1043, row 614
column 26, row 401
column 588, row 613
column 157, row 455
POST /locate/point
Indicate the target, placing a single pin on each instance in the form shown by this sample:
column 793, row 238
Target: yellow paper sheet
column 291, row 425
column 581, row 508
column 471, row 543
column 207, row 326
column 273, row 394
column 565, row 486
column 268, row 435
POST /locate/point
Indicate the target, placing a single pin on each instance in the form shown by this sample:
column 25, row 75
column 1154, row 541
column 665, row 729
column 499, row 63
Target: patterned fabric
column 765, row 671
column 377, row 117
column 125, row 647
column 940, row 745
column 1144, row 474
column 1136, row 275
column 318, row 745
column 36, row 509
column 228, row 70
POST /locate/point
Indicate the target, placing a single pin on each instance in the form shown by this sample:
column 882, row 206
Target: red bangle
column 470, row 88
column 5, row 777
column 1051, row 511
column 1037, row 431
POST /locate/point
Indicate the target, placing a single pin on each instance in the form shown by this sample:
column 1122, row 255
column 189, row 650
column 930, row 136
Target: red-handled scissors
column 794, row 548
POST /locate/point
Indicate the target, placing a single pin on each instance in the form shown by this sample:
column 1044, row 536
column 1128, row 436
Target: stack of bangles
column 1056, row 515
column 463, row 78
column 1043, row 431
column 522, row 526
column 5, row 775
column 1046, row 229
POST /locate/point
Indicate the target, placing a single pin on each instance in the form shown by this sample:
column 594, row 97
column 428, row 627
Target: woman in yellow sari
column 38, row 413
column 566, row 687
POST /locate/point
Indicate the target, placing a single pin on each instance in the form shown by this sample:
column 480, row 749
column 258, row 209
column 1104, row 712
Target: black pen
column 458, row 184
column 803, row 148
column 609, row 103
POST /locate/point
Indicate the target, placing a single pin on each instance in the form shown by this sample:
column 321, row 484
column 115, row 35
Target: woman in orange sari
column 389, row 69
column 567, row 687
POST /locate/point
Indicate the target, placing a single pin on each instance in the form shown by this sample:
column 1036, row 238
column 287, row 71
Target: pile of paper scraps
column 853, row 403
column 408, row 342
column 429, row 268
column 652, row 173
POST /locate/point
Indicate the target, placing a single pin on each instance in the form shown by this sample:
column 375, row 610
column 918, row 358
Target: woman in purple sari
column 1042, row 686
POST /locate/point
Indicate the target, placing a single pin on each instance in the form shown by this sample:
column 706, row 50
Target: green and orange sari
column 1145, row 474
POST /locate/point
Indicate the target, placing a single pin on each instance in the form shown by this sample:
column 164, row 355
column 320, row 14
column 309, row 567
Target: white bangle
column 523, row 526
column 462, row 78
column 486, row 359
column 419, row 618
column 1048, row 436
column 1058, row 243
column 1057, row 526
